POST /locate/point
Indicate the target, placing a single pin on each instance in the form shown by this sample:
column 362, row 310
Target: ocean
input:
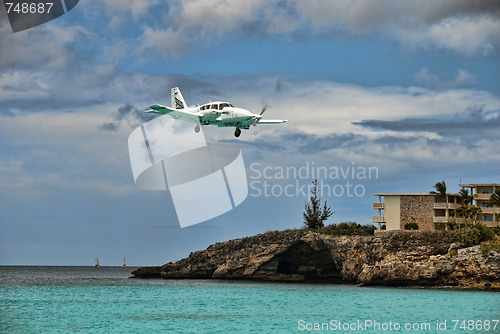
column 104, row 300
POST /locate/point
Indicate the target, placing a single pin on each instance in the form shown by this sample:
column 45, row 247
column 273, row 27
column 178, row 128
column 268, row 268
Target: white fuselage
column 224, row 114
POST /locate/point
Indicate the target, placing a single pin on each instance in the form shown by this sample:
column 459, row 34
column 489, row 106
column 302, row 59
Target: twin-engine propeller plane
column 222, row 114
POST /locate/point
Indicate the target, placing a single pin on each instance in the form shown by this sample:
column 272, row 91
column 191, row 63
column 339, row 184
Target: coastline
column 387, row 259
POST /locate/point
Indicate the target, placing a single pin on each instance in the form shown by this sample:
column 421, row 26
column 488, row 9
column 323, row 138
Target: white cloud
column 164, row 40
column 465, row 35
column 321, row 110
column 464, row 27
column 464, row 77
column 20, row 181
column 431, row 80
column 57, row 150
column 198, row 22
column 320, row 127
column 138, row 9
column 324, row 107
column 43, row 48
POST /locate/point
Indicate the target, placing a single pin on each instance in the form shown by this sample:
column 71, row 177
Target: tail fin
column 177, row 99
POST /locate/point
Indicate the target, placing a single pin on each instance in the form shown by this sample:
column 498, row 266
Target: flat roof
column 480, row 185
column 405, row 194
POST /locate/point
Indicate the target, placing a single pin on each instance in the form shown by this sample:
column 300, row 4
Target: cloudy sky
column 409, row 89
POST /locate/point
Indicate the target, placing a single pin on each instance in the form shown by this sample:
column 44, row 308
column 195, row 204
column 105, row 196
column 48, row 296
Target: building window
column 487, row 218
column 439, row 213
column 485, row 190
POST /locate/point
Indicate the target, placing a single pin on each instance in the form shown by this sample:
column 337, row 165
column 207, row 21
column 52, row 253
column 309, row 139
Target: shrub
column 440, row 240
column 452, row 225
column 348, row 228
column 470, row 236
column 411, row 226
column 487, row 246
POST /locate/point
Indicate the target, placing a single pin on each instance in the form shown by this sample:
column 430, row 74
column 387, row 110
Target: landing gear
column 197, row 128
column 237, row 132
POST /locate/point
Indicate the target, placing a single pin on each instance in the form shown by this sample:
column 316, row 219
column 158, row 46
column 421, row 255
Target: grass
column 487, row 246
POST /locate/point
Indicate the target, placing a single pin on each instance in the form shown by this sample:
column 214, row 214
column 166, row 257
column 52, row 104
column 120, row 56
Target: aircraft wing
column 271, row 121
column 175, row 113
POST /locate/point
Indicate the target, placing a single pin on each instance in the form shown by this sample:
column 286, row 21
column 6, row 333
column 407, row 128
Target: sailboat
column 124, row 262
column 97, row 262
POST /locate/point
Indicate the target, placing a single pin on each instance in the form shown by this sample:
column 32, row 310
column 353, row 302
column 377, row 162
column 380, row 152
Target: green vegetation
column 453, row 224
column 470, row 236
column 495, row 199
column 314, row 216
column 496, row 230
column 347, row 228
column 490, row 245
column 496, row 216
column 469, row 214
column 440, row 189
column 411, row 226
column 441, row 240
column 464, row 197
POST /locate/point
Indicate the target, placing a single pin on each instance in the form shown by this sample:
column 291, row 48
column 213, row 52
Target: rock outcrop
column 305, row 256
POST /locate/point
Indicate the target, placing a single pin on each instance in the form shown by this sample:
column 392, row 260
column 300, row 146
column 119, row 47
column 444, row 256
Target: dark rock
column 147, row 272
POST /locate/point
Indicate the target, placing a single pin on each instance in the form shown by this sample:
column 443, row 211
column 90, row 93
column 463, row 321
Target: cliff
column 402, row 259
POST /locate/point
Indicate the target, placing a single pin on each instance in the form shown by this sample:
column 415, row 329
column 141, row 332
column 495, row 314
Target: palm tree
column 496, row 215
column 495, row 199
column 474, row 213
column 441, row 191
column 464, row 197
column 461, row 210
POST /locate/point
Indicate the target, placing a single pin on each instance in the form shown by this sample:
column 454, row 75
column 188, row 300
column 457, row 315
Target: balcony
column 378, row 219
column 440, row 219
column 442, row 205
column 490, row 210
column 482, row 197
column 377, row 205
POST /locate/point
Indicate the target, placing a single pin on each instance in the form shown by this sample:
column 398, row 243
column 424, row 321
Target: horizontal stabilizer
column 158, row 109
column 183, row 114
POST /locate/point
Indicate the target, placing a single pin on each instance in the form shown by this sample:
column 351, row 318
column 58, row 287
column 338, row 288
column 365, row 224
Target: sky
column 387, row 96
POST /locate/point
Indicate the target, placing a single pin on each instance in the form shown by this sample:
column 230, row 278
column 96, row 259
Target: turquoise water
column 104, row 300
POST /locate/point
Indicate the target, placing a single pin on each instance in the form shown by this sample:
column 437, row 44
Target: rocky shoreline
column 390, row 259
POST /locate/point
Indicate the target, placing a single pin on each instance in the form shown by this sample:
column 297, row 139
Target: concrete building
column 430, row 211
column 481, row 194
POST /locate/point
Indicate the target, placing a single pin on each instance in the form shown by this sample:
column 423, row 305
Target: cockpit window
column 223, row 105
column 214, row 106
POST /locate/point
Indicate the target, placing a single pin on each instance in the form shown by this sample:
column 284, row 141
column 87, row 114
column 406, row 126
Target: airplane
column 222, row 114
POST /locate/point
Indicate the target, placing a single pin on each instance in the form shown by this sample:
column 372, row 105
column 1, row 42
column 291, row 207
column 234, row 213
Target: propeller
column 257, row 119
column 263, row 109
